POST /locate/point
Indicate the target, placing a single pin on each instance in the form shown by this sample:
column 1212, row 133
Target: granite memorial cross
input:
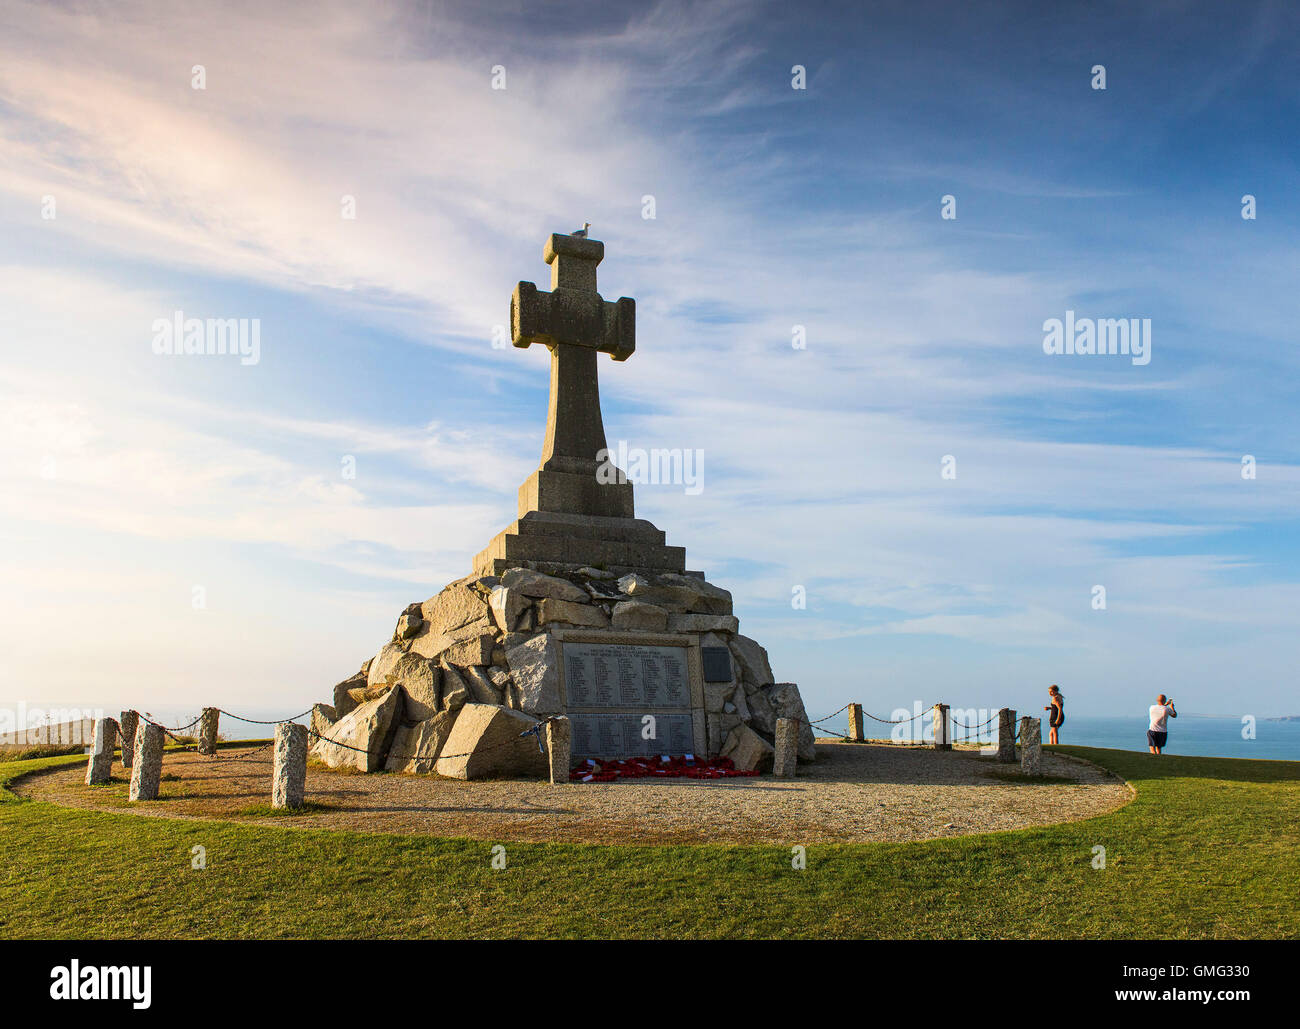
column 576, row 324
column 576, row 509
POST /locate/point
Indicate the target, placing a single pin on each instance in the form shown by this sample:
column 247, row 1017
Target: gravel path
column 853, row 793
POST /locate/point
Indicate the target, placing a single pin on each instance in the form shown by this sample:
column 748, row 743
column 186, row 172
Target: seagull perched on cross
column 582, row 232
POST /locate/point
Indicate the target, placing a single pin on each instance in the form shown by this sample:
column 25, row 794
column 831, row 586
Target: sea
column 1201, row 735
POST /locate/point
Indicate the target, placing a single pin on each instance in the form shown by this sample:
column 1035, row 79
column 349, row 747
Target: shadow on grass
column 309, row 807
column 460, row 809
column 1132, row 764
column 1015, row 778
column 899, row 765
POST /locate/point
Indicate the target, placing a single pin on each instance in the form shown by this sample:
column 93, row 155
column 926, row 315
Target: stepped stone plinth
column 551, row 541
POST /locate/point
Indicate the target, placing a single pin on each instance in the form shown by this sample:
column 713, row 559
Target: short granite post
column 208, row 730
column 146, row 771
column 99, row 768
column 126, row 729
column 942, row 731
column 787, row 748
column 289, row 781
column 1031, row 745
column 1006, row 735
column 855, row 723
column 559, row 748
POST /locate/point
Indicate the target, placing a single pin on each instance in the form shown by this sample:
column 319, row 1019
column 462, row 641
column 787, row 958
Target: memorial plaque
column 610, row 688
column 717, row 664
column 626, row 675
column 611, row 734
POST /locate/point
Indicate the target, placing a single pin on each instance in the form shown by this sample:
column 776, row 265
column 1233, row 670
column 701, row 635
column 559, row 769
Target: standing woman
column 1057, row 717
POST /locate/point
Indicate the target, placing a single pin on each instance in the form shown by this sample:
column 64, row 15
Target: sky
column 945, row 496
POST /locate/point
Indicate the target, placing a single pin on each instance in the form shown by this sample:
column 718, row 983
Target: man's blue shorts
column 1157, row 739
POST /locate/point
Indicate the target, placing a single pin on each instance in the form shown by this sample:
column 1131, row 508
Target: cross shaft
column 575, row 323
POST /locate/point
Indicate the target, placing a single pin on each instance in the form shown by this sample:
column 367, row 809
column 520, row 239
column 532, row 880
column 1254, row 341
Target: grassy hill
column 1210, row 848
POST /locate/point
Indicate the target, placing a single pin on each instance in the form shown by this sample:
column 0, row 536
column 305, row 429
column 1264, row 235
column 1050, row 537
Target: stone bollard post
column 126, row 729
column 855, row 723
column 289, row 781
column 99, row 769
column 146, row 770
column 559, row 749
column 942, row 731
column 208, row 730
column 787, row 748
column 1031, row 745
column 1006, row 735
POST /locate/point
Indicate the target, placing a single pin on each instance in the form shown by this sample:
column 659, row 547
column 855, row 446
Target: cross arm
column 576, row 317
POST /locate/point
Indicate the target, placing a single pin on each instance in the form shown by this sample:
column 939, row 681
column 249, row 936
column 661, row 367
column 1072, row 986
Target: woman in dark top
column 1057, row 717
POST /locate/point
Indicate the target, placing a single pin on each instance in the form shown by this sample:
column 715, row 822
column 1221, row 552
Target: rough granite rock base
column 748, row 750
column 487, row 642
column 361, row 738
column 487, row 743
column 416, row 747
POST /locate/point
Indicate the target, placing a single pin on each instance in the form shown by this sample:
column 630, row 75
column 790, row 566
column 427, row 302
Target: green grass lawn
column 1210, row 848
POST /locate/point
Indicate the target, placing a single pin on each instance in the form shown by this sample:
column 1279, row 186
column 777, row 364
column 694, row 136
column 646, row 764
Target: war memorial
column 578, row 614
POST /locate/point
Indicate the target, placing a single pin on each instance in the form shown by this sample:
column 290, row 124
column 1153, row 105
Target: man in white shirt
column 1161, row 711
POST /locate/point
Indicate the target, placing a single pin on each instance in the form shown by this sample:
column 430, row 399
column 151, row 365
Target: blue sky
column 130, row 478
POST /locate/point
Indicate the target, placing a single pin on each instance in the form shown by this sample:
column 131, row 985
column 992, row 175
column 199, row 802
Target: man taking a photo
column 1161, row 711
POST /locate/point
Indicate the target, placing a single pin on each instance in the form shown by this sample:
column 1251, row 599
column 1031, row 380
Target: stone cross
column 576, row 324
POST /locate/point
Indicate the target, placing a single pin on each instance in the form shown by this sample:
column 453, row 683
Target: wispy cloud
column 133, row 479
